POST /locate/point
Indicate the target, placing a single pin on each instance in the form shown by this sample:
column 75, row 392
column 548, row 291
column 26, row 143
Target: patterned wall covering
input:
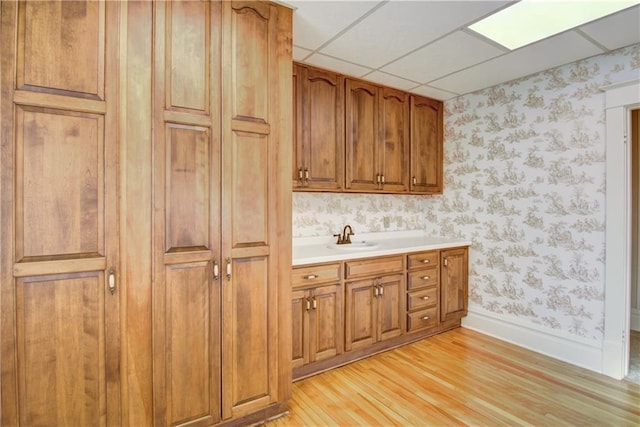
column 525, row 180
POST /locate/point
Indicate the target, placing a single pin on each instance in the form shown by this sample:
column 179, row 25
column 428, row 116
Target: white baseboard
column 575, row 350
column 635, row 319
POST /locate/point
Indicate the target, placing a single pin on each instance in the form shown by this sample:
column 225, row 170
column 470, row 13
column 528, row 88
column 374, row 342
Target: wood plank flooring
column 462, row 377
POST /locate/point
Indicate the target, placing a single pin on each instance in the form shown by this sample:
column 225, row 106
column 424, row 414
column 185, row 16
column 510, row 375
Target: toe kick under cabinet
column 344, row 311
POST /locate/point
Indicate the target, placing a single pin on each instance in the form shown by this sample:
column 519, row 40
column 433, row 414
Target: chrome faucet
column 345, row 238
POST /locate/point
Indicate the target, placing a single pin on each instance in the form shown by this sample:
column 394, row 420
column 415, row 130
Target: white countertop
column 314, row 250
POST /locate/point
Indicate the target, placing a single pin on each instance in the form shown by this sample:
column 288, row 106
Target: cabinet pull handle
column 414, row 180
column 216, row 270
column 382, row 179
column 426, row 277
column 228, row 268
column 308, row 303
column 112, row 280
column 311, row 276
column 425, row 318
column 315, row 303
column 425, row 261
column 300, row 174
column 381, row 292
column 306, row 174
column 445, row 262
column 375, row 291
column 425, row 298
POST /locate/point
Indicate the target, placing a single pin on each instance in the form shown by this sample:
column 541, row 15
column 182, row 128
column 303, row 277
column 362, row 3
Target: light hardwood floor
column 462, row 377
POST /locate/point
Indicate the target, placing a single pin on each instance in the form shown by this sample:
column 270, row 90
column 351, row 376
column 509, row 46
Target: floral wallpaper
column 525, row 181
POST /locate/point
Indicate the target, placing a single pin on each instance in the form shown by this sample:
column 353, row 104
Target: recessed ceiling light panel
column 529, row 21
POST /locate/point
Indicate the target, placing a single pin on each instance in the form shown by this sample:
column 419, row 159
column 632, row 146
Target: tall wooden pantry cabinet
column 145, row 244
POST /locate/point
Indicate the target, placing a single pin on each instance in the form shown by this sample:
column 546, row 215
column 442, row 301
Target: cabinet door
column 363, row 168
column 59, row 257
column 326, row 323
column 323, row 130
column 256, row 211
column 187, row 294
column 394, row 140
column 390, row 302
column 360, row 315
column 454, row 284
column 426, row 145
column 298, row 146
column 300, row 306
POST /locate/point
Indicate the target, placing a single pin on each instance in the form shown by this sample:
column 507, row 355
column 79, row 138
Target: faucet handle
column 339, row 236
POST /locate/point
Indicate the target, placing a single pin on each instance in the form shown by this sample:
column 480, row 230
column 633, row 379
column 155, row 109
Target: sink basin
column 354, row 246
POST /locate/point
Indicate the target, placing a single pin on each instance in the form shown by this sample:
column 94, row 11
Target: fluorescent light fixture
column 531, row 20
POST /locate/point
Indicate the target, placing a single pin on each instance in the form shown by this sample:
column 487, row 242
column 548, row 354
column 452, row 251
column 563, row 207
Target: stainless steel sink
column 354, row 246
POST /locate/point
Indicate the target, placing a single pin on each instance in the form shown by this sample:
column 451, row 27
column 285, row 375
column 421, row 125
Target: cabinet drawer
column 422, row 319
column 422, row 259
column 422, row 299
column 369, row 267
column 423, row 278
column 315, row 274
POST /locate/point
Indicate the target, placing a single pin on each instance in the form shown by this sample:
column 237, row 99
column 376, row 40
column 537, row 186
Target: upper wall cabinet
column 355, row 136
column 318, row 129
column 426, row 145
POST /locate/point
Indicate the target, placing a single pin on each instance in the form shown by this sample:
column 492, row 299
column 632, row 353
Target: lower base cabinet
column 388, row 301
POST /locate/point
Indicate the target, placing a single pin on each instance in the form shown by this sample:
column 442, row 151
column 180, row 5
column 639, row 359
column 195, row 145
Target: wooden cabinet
column 373, row 305
column 377, row 141
column 146, row 219
column 59, row 246
column 318, row 129
column 218, row 159
column 454, row 284
column 422, row 298
column 426, row 145
column 317, row 319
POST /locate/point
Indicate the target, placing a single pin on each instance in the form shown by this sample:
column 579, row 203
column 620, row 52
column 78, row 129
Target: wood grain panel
column 59, row 171
column 299, row 323
column 61, row 346
column 315, row 274
column 193, row 369
column 61, row 47
column 394, row 139
column 250, row 322
column 250, row 41
column 250, row 190
column 391, row 310
column 371, row 266
column 188, row 198
column 188, row 52
column 360, row 315
column 361, row 127
column 453, row 284
column 426, row 145
column 326, row 323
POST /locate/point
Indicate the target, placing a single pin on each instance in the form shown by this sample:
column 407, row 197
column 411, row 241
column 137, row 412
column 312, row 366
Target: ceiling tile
column 432, row 92
column 300, row 53
column 399, row 27
column 337, row 65
column 552, row 52
column 316, row 22
column 445, row 56
column 617, row 30
column 389, row 80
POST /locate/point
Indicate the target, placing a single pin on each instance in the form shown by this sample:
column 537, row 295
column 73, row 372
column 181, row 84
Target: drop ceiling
column 425, row 47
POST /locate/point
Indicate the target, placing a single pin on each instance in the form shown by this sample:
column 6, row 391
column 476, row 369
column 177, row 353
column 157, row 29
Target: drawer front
column 315, row 274
column 369, row 267
column 423, row 278
column 421, row 299
column 422, row 259
column 422, row 319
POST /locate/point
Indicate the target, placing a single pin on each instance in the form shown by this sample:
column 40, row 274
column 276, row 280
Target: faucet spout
column 346, row 238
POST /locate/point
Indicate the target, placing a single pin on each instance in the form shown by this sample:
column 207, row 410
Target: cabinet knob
column 425, row 318
column 415, row 181
column 311, row 276
column 426, row 261
column 112, row 280
column 425, row 298
column 216, row 270
column 426, row 277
